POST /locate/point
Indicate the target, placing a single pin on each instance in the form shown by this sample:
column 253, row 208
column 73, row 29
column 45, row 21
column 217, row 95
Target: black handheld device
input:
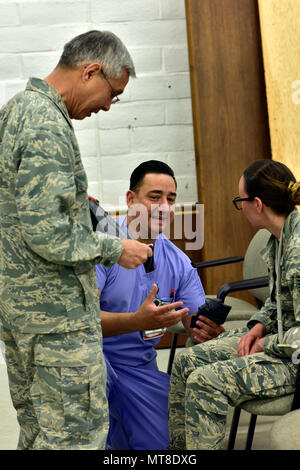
column 214, row 309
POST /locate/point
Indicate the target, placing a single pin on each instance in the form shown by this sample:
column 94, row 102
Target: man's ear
column 89, row 71
column 130, row 198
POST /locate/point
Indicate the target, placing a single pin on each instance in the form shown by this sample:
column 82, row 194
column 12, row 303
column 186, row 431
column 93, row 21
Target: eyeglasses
column 114, row 99
column 238, row 200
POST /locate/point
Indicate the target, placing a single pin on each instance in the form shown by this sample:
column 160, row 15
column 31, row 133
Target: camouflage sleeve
column 292, row 335
column 293, row 278
column 266, row 316
column 52, row 204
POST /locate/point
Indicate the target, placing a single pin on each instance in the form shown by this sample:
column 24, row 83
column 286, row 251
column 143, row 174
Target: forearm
column 259, row 330
column 118, row 323
column 265, row 316
column 147, row 317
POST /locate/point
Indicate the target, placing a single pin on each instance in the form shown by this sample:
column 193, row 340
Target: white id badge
column 150, row 334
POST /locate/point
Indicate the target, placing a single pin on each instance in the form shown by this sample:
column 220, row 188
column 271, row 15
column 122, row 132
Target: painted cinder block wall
column 154, row 117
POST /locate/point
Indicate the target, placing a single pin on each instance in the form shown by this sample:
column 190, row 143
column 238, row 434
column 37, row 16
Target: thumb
column 152, row 293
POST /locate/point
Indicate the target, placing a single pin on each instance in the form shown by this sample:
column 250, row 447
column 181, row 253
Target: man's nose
column 164, row 206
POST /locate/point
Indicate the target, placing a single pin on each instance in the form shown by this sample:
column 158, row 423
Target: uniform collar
column 42, row 87
column 268, row 253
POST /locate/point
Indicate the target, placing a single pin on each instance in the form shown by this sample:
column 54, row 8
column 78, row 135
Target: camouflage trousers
column 58, row 387
column 209, row 377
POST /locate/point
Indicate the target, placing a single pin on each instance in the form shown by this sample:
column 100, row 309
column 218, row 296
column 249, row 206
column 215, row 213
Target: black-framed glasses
column 115, row 99
column 238, row 200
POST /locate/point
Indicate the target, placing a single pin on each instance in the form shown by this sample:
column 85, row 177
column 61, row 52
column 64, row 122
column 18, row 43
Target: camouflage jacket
column 47, row 246
column 290, row 288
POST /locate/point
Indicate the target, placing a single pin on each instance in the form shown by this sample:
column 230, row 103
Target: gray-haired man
column 48, row 293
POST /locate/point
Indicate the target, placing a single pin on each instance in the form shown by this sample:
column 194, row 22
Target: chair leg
column 251, row 430
column 172, row 352
column 233, row 428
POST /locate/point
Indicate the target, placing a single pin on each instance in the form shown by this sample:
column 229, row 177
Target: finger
column 169, row 307
column 208, row 321
column 182, row 312
column 245, row 347
column 150, row 251
column 178, row 314
column 203, row 334
column 204, row 326
column 152, row 293
column 174, row 317
column 197, row 339
column 198, row 336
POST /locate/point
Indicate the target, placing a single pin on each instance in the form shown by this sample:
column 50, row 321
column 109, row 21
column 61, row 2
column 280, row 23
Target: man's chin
column 157, row 229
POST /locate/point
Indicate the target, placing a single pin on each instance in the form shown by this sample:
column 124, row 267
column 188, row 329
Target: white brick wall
column 154, row 118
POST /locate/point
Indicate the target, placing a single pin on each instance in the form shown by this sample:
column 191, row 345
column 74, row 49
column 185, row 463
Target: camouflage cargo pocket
column 68, row 390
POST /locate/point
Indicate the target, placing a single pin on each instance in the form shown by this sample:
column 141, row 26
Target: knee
column 209, row 379
column 198, row 379
column 183, row 363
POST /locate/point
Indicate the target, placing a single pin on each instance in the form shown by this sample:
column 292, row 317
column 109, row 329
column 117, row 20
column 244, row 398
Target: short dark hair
column 272, row 182
column 151, row 166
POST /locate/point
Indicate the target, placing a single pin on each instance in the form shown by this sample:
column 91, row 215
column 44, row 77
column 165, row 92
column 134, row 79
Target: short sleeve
column 191, row 291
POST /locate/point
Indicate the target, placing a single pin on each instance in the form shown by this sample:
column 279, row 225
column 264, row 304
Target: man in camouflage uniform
column 48, row 251
column 209, row 377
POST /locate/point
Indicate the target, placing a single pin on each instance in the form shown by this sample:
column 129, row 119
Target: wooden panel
column 166, row 341
column 280, row 30
column 230, row 120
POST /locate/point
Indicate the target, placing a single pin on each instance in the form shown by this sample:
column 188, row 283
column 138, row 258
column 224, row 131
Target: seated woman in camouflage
column 246, row 363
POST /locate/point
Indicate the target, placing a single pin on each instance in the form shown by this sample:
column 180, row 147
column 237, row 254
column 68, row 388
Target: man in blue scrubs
column 137, row 390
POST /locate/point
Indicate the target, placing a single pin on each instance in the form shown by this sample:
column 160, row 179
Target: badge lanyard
column 278, row 288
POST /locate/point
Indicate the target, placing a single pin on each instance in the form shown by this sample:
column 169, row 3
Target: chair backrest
column 253, row 265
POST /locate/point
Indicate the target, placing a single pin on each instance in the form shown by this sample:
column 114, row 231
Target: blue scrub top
column 124, row 290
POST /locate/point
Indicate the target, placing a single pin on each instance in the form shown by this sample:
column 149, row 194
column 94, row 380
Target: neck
column 63, row 82
column 275, row 223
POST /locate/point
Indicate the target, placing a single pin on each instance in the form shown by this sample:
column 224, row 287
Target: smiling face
column 93, row 92
column 157, row 196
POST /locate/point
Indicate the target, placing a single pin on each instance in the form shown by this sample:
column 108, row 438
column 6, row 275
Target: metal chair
column 259, row 407
column 280, row 406
column 284, row 434
column 265, row 407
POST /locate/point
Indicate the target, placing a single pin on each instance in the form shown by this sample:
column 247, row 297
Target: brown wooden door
column 230, row 121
